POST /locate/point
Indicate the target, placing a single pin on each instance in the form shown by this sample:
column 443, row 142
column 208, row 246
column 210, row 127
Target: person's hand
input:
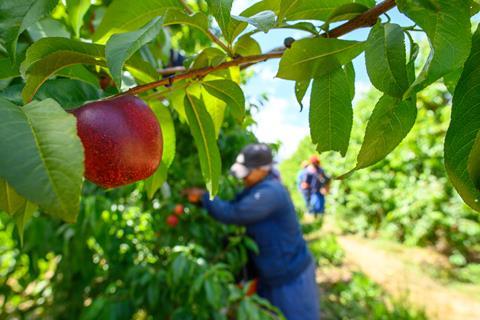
column 323, row 191
column 304, row 185
column 194, row 195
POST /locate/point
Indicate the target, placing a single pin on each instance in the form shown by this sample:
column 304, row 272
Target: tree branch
column 366, row 19
column 199, row 73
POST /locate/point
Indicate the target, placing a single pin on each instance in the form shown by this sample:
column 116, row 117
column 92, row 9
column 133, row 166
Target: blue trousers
column 317, row 203
column 306, row 197
column 298, row 299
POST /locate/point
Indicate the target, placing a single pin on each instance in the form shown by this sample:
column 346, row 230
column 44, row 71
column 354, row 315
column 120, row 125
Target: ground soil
column 403, row 272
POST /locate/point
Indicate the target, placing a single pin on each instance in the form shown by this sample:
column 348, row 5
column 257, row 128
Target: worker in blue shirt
column 317, row 183
column 301, row 177
column 285, row 268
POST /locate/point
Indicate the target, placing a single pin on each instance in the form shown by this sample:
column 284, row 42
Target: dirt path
column 398, row 272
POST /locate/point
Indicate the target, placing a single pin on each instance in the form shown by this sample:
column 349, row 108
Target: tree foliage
column 407, row 196
column 48, row 48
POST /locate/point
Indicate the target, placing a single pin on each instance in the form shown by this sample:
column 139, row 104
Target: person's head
column 253, row 164
column 315, row 160
column 305, row 163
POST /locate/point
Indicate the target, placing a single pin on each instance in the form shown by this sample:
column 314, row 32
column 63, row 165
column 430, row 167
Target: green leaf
column 231, row 93
column 347, row 11
column 48, row 27
column 48, row 56
column 209, row 57
column 461, row 141
column 220, row 9
column 247, row 46
column 68, row 93
column 263, row 21
column 313, row 9
column 391, row 121
column 350, row 73
column 248, row 310
column 15, row 205
column 22, row 216
column 203, row 132
column 451, row 79
column 47, row 46
column 120, row 47
column 213, row 292
column 141, row 70
column 331, row 114
column 301, row 88
column 17, row 16
column 8, row 69
column 76, row 9
column 310, row 58
column 42, row 156
column 48, row 66
column 260, row 6
column 474, row 163
column 178, row 268
column 10, row 200
column 304, row 26
column 127, row 15
column 215, row 108
column 447, row 24
column 79, row 72
column 165, row 120
column 177, row 99
column 198, row 20
column 386, row 59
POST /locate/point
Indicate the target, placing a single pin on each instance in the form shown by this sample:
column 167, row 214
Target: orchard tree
column 123, row 56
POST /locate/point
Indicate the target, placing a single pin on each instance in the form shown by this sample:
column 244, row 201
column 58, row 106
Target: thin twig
column 368, row 18
column 162, row 94
column 210, row 33
column 199, row 73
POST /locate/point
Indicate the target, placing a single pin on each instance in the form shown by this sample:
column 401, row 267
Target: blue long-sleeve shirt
column 269, row 216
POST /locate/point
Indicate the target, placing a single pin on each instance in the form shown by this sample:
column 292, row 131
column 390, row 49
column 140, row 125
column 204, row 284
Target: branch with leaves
column 366, row 19
column 131, row 46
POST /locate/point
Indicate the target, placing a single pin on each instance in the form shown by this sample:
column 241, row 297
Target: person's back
column 284, row 265
column 283, row 251
column 317, row 182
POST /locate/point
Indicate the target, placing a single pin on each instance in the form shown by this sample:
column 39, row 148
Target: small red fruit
column 105, row 82
column 122, row 140
column 172, row 220
column 178, row 209
column 252, row 288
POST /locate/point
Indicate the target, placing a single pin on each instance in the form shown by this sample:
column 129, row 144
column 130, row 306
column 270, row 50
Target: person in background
column 317, row 183
column 301, row 183
column 285, row 268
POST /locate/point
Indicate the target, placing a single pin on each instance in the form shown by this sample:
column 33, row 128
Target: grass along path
column 399, row 272
column 408, row 274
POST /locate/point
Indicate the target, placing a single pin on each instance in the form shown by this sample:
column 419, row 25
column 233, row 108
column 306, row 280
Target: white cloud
column 239, row 5
column 361, row 89
column 266, row 72
column 279, row 120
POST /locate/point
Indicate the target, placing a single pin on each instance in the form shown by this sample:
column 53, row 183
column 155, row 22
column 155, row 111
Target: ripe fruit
column 122, row 140
column 105, row 82
column 252, row 288
column 178, row 210
column 172, row 220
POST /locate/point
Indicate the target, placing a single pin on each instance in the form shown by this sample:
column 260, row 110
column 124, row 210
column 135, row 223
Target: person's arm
column 250, row 209
column 306, row 181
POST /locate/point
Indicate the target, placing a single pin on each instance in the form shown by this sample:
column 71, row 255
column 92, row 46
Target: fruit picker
column 285, row 268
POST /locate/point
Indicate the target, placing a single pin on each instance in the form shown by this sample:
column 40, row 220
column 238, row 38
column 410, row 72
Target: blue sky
column 280, row 119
